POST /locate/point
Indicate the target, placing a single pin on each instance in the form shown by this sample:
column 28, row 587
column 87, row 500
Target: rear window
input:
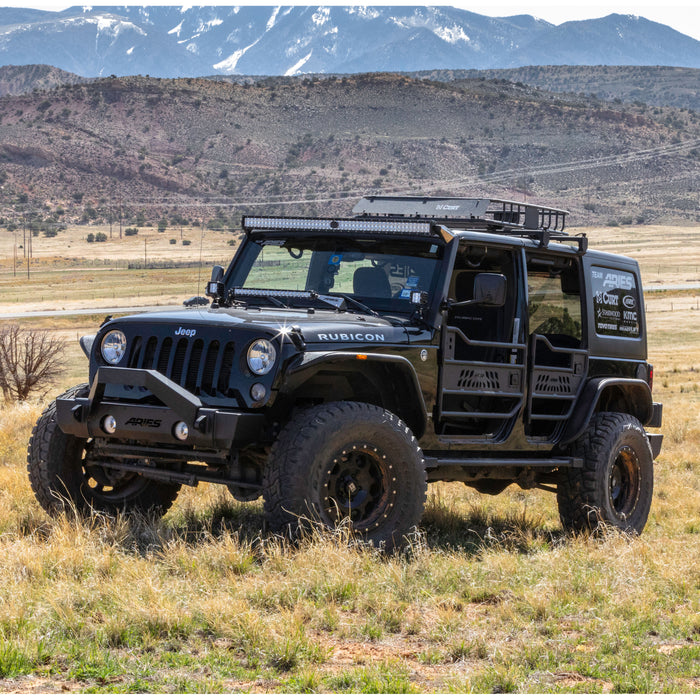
column 615, row 302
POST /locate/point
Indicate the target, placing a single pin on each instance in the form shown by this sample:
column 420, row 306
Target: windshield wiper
column 347, row 298
column 276, row 302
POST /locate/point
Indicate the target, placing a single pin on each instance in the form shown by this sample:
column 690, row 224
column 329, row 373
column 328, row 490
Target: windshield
column 381, row 274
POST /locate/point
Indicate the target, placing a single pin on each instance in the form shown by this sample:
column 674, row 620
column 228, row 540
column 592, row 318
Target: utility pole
column 28, row 245
column 201, row 243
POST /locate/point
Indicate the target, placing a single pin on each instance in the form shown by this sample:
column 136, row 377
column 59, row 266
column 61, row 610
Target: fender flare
column 304, row 367
column 590, row 396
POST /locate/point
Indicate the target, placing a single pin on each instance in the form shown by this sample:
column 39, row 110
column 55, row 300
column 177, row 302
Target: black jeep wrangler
column 345, row 363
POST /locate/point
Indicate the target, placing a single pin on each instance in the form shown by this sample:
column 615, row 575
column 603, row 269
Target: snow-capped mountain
column 199, row 41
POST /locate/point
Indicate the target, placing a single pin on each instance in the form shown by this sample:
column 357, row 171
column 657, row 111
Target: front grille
column 202, row 367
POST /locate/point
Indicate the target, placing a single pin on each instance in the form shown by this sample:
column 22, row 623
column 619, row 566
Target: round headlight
column 113, row 347
column 261, row 356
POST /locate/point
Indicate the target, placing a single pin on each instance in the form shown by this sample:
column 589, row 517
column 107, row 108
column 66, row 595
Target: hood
column 319, row 326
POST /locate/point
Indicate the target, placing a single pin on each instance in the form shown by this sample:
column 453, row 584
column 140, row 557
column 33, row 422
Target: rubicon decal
column 345, row 337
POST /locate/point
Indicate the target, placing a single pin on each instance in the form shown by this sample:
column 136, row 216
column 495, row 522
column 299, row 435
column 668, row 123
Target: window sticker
column 615, row 302
column 412, row 282
column 405, row 293
column 335, row 259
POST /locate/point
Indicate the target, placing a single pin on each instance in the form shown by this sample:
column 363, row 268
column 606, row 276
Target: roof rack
column 432, row 217
column 490, row 214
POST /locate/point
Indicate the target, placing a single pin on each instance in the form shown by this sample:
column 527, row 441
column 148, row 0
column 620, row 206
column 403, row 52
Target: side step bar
column 445, row 467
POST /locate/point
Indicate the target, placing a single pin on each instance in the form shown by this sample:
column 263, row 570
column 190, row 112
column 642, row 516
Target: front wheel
column 350, row 463
column 616, row 483
column 63, row 474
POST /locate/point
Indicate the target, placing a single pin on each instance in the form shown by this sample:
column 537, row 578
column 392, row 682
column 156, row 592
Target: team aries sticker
column 615, row 303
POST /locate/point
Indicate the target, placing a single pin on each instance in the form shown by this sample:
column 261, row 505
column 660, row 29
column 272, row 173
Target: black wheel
column 350, row 463
column 63, row 474
column 616, row 483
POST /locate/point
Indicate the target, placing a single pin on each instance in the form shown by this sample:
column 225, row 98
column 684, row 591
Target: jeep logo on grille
column 189, row 332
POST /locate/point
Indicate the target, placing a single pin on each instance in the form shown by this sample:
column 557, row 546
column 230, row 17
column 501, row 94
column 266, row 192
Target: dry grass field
column 491, row 596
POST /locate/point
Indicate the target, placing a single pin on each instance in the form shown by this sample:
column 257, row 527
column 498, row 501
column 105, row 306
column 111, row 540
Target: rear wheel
column 349, row 463
column 616, row 483
column 63, row 474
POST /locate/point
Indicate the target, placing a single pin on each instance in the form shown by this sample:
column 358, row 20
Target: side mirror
column 215, row 288
column 490, row 289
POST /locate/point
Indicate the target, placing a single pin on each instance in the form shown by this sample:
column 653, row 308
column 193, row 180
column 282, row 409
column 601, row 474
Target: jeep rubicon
column 344, row 364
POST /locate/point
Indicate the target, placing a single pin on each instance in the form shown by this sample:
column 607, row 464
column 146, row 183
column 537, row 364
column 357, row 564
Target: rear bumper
column 657, row 412
column 655, row 422
column 655, row 443
column 208, row 427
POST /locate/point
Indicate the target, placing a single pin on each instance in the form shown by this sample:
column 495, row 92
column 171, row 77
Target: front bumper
column 208, row 427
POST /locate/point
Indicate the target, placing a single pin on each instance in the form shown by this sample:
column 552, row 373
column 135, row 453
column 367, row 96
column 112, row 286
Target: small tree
column 30, row 360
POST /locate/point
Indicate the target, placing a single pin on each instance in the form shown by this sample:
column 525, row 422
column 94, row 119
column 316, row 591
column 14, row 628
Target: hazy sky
column 681, row 15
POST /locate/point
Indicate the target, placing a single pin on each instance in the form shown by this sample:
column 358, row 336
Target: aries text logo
column 189, row 332
column 144, row 422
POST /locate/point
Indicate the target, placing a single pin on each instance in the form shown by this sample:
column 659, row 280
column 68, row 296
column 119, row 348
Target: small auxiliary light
column 109, row 424
column 181, row 431
column 258, row 392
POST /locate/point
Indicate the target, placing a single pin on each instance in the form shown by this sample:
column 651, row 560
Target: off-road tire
column 350, row 463
column 616, row 483
column 55, row 462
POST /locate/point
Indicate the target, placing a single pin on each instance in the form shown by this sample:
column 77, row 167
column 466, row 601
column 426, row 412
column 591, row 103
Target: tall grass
column 490, row 596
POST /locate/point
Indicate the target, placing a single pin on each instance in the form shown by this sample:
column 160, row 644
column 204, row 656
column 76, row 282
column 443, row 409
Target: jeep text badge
column 189, row 332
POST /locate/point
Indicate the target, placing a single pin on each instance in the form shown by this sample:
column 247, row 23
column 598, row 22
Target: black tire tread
column 579, row 494
column 46, row 457
column 288, row 461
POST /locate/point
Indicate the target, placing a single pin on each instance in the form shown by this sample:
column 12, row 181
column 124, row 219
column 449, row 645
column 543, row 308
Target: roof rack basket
column 490, row 214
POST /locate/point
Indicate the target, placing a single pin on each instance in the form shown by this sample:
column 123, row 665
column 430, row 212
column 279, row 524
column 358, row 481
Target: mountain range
column 169, row 41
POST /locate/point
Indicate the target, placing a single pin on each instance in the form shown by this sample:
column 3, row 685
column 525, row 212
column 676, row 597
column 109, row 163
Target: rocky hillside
column 17, row 80
column 199, row 148
column 652, row 85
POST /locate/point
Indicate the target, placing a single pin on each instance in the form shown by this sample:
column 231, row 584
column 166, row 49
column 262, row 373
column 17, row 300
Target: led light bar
column 288, row 293
column 335, row 225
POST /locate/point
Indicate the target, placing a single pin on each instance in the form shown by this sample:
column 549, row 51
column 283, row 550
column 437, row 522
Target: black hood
column 321, row 326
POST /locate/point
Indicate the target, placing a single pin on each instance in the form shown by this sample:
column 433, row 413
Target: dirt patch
column 30, row 685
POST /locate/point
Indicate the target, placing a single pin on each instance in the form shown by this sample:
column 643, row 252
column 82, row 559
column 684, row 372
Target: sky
column 682, row 15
